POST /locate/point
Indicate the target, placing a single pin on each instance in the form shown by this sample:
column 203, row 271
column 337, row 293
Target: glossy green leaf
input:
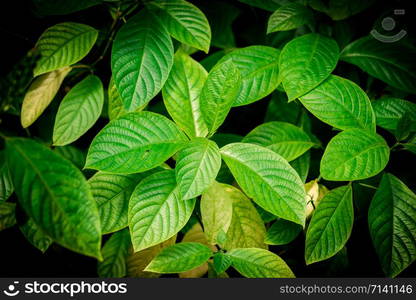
column 180, row 258
column 181, row 94
column 35, row 235
column 389, row 111
column 287, row 140
column 134, row 143
column 7, row 215
column 259, row 263
column 64, row 44
column 353, row 155
column 331, row 225
column 288, row 17
column 392, row 223
column 268, row 179
column 40, row 94
column 393, row 63
column 258, row 66
column 56, row 195
column 78, row 111
column 301, row 165
column 305, row 62
column 6, row 185
column 156, row 212
column 220, row 91
column 184, row 21
column 141, row 59
column 221, row 262
column 282, row 232
column 340, row 103
column 197, row 166
column 115, row 252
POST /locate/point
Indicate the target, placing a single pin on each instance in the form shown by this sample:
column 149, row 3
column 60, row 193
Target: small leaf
column 180, row 258
column 156, row 212
column 6, row 185
column 330, row 226
column 389, row 111
column 282, row 232
column 285, row 139
column 64, row 44
column 221, row 262
column 259, row 263
column 197, row 165
column 301, row 165
column 392, row 223
column 78, row 111
column 404, row 127
column 7, row 215
column 40, row 94
column 115, row 103
column 288, row 17
column 305, row 62
column 135, row 142
column 268, row 179
column 73, row 154
column 353, row 155
column 35, row 235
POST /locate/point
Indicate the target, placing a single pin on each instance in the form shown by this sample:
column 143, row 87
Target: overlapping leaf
column 288, row 17
column 35, row 235
column 6, row 185
column 282, row 232
column 7, row 215
column 389, row 111
column 301, row 165
column 73, row 154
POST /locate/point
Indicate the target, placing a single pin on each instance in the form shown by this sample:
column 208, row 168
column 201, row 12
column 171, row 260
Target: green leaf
column 389, row 111
column 35, row 235
column 78, row 111
column 184, row 21
column 285, row 139
column 133, row 143
column 115, row 252
column 181, row 94
column 216, row 210
column 259, row 70
column 340, row 9
column 340, row 103
column 221, row 262
column 259, row 263
column 115, row 103
column 6, row 185
column 197, row 165
column 56, row 195
column 73, row 154
column 268, row 179
column 392, row 223
column 180, row 258
column 40, row 94
column 305, row 62
column 220, row 91
column 247, row 228
column 282, row 232
column 392, row 63
column 331, row 225
column 64, row 44
column 301, row 165
column 112, row 193
column 353, row 155
column 141, row 59
column 156, row 212
column 404, row 127
column 7, row 215
column 288, row 17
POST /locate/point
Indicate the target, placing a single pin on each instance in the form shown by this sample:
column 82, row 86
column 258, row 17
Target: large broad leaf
column 78, row 111
column 184, row 21
column 115, row 252
column 6, row 185
column 40, row 94
column 259, row 263
column 216, row 210
column 115, row 103
column 197, row 166
column 331, row 225
column 180, row 258
column 55, row 194
column 247, row 228
column 288, row 17
column 340, row 103
column 392, row 222
column 267, row 178
column 282, row 232
column 285, row 139
column 259, row 69
column 305, row 62
column 141, row 59
column 393, row 63
column 35, row 235
column 134, row 143
column 181, row 94
column 156, row 212
column 353, row 155
column 389, row 111
column 64, row 44
column 220, row 91
column 7, row 215
column 112, row 193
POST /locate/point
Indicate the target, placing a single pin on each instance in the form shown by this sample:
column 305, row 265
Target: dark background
column 20, row 28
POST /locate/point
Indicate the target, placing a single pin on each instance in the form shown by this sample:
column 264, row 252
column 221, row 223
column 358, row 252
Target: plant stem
column 368, row 186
